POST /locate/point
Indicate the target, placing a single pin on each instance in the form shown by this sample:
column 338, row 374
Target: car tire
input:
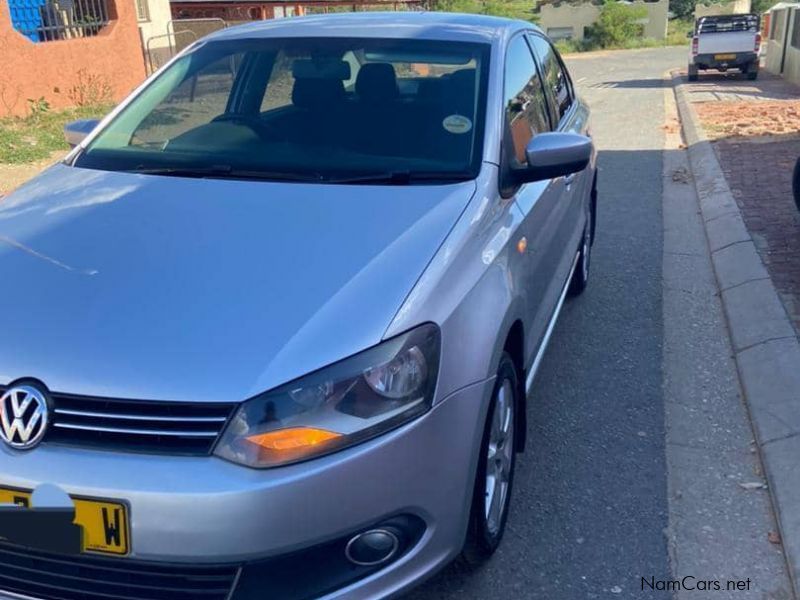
column 495, row 474
column 693, row 72
column 796, row 183
column 752, row 71
column 580, row 277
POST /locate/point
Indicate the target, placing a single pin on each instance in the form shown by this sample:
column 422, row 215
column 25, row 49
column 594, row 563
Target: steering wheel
column 263, row 130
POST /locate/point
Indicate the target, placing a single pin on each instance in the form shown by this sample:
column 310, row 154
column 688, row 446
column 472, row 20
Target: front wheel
column 495, row 477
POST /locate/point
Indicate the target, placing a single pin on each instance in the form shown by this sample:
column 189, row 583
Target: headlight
column 338, row 406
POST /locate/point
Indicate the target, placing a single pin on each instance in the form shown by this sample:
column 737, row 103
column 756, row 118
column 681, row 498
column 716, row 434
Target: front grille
column 56, row 577
column 140, row 426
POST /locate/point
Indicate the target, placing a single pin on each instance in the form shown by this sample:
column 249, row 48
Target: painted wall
column 781, row 57
column 67, row 72
column 736, row 7
column 559, row 19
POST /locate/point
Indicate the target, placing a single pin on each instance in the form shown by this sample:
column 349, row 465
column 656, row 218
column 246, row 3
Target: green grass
column 36, row 137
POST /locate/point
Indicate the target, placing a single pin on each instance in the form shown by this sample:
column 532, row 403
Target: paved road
column 590, row 499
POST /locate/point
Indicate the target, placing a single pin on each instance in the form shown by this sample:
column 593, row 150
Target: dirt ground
column 12, row 176
column 749, row 119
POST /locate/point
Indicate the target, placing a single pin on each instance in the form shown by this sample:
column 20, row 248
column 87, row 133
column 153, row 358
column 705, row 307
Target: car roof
column 406, row 25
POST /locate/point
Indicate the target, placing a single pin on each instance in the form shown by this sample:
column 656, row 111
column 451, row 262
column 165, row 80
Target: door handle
column 568, row 179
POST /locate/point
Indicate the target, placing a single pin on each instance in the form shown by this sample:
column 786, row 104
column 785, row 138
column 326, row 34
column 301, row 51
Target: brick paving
column 759, row 174
column 742, row 118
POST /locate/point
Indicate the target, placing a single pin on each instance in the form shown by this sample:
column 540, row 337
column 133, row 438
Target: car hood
column 165, row 288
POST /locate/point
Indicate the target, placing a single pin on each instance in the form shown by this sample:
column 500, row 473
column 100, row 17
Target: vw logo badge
column 23, row 417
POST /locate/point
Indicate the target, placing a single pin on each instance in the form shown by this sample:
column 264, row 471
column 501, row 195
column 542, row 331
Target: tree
column 617, row 24
column 683, row 9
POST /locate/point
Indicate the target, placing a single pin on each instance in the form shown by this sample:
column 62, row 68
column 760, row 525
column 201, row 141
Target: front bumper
column 206, row 510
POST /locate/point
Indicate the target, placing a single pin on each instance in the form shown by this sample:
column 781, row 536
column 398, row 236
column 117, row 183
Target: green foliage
column 678, row 30
column 37, row 107
column 683, row 9
column 676, row 36
column 617, row 25
column 762, row 6
column 41, row 133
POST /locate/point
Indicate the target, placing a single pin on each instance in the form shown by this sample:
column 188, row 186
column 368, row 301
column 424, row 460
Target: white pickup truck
column 725, row 42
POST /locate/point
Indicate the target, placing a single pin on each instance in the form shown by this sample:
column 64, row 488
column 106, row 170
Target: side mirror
column 552, row 155
column 689, row 35
column 76, row 131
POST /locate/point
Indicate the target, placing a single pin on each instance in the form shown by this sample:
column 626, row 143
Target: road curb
column 765, row 344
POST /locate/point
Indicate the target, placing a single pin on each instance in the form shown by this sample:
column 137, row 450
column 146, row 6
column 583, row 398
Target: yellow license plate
column 724, row 56
column 105, row 524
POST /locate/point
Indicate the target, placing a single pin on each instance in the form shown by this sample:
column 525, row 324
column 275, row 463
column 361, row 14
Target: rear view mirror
column 552, row 155
column 76, row 131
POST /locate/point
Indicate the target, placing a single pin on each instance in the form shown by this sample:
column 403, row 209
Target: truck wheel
column 796, row 184
column 752, row 71
column 692, row 73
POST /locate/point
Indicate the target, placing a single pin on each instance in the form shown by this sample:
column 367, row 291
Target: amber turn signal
column 292, row 438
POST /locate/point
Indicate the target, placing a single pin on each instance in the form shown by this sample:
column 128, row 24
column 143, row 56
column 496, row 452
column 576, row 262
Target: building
column 783, row 41
column 566, row 20
column 154, row 18
column 62, row 53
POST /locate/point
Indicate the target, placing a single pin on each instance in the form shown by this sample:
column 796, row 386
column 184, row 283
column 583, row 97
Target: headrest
column 307, row 68
column 377, row 83
column 317, row 93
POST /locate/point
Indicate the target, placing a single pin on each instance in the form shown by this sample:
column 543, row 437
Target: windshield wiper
column 403, row 177
column 225, row 172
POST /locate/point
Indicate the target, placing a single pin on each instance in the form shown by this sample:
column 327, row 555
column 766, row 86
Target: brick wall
column 69, row 72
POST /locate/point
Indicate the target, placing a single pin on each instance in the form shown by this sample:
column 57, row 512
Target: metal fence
column 49, row 20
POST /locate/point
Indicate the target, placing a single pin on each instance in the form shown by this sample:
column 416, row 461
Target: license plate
column 105, row 523
column 724, row 57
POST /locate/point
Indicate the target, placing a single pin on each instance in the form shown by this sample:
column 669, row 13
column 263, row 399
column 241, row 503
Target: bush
column 618, row 25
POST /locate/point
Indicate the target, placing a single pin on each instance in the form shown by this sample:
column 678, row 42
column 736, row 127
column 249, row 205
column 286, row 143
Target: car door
column 570, row 214
column 527, row 114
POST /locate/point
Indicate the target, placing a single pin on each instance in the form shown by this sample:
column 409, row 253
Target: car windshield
column 312, row 109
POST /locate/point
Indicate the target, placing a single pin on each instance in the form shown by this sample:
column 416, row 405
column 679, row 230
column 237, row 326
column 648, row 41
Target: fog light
column 373, row 547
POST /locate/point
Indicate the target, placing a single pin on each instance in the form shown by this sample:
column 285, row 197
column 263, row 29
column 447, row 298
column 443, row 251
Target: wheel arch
column 515, row 346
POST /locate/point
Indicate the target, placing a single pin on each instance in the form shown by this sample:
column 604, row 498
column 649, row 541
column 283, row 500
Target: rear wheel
column 693, row 73
column 796, row 183
column 495, row 477
column 752, row 71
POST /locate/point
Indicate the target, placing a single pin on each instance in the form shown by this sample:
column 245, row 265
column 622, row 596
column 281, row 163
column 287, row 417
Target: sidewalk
column 735, row 151
column 754, row 127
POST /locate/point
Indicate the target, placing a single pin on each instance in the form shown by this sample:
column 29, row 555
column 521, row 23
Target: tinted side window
column 556, row 80
column 524, row 100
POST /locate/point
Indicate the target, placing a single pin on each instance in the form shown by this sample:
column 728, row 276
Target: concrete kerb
column 766, row 347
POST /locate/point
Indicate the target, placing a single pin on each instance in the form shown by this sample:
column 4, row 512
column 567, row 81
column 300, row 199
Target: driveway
column 591, row 506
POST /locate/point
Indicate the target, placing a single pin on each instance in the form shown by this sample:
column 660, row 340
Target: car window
column 557, row 82
column 524, row 98
column 193, row 102
column 325, row 109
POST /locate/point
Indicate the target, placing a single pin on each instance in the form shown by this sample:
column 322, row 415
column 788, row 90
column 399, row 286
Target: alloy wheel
column 499, row 457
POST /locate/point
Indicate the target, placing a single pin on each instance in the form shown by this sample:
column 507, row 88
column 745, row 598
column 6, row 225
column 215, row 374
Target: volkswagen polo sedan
column 271, row 325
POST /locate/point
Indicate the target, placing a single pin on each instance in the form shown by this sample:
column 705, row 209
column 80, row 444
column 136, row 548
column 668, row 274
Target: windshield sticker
column 457, row 124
